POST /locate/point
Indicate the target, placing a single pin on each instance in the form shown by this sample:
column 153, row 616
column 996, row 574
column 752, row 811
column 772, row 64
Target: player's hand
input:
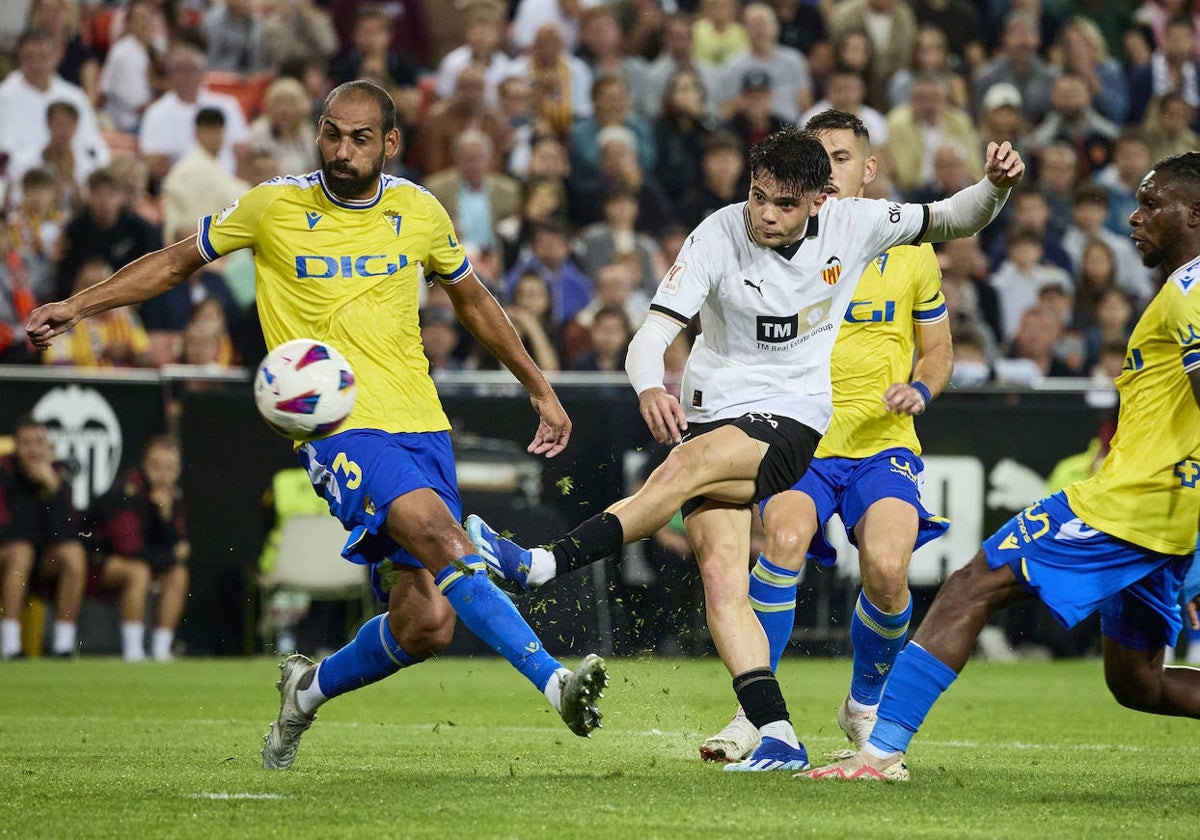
column 47, row 321
column 663, row 415
column 902, row 398
column 554, row 426
column 1003, row 167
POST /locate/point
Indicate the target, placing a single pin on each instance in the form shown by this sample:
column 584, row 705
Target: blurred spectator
column 616, row 286
column 892, row 28
column 516, row 107
column 959, row 20
column 544, row 202
column 206, row 341
column 1073, row 120
column 140, row 529
column 104, row 228
column 114, row 338
column 951, row 173
column 972, row 361
column 1019, row 278
column 852, row 50
column 36, row 219
column 483, row 48
column 964, row 277
column 931, row 54
column 562, row 83
column 1056, row 171
column 439, row 339
column 619, row 168
column 448, row 119
column 1069, row 349
column 1028, row 208
column 376, row 54
column 601, row 49
column 531, row 311
column 600, row 243
column 77, row 61
column 404, row 20
column 1115, row 317
column 642, row 23
column 134, row 72
column 611, row 108
column 802, row 28
column 1096, row 275
column 1167, row 127
column 722, row 182
column 58, row 157
column 167, row 316
column 297, row 30
column 1088, row 215
column 1001, row 119
column 167, row 132
column 22, row 287
column 846, row 91
column 531, row 17
column 680, row 131
column 755, row 117
column 1172, row 69
column 1137, row 49
column 473, row 193
column 285, row 129
column 916, row 130
column 608, row 340
column 791, row 85
column 676, row 55
column 1018, row 63
column 197, row 185
column 568, row 288
column 1030, row 357
column 234, row 32
column 717, row 34
column 26, row 95
column 1120, row 179
column 1081, row 51
column 131, row 171
column 38, row 530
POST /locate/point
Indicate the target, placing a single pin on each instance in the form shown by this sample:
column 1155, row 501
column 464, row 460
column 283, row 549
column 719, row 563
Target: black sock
column 758, row 692
column 595, row 539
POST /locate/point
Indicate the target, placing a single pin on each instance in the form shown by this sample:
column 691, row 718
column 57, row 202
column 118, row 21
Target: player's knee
column 425, row 634
column 1140, row 691
column 17, row 557
column 137, row 578
column 69, row 558
column 787, row 544
column 885, row 580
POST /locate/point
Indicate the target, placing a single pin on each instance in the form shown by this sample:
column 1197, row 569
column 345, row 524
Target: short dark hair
column 26, row 421
column 387, row 105
column 61, row 106
column 106, row 177
column 793, row 157
column 1184, row 167
column 1089, row 192
column 210, row 118
column 835, row 120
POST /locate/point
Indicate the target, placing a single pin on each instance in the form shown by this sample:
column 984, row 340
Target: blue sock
column 370, row 656
column 489, row 614
column 876, row 637
column 773, row 596
column 917, row 681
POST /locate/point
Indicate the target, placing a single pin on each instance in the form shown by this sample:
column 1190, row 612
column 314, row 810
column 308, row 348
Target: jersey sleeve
column 686, row 284
column 445, row 260
column 929, row 304
column 237, row 225
column 1183, row 318
column 880, row 224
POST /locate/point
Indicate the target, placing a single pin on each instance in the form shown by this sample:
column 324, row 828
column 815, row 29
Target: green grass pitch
column 464, row 748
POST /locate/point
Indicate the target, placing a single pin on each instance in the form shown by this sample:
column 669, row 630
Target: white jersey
column 769, row 317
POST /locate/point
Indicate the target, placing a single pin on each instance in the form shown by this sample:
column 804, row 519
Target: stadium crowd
column 574, row 144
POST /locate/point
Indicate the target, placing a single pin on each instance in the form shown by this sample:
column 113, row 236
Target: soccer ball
column 304, row 389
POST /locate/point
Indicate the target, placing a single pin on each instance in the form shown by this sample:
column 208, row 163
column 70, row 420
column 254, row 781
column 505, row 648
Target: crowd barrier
column 987, row 454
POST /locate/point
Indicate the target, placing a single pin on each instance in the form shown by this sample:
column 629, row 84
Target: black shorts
column 790, row 448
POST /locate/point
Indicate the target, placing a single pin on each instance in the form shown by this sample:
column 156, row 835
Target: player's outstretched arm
column 644, row 363
column 935, row 363
column 141, row 280
column 972, row 208
column 483, row 316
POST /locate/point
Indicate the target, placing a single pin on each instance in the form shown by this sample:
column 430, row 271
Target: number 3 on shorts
column 353, row 473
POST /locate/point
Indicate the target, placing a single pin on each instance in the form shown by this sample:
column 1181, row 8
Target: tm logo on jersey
column 320, row 267
column 787, row 329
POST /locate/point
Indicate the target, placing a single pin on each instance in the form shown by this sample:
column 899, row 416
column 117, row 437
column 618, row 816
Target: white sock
column 875, row 752
column 64, row 637
column 781, row 730
column 309, row 699
column 10, row 637
column 553, row 689
column 161, row 643
column 542, row 567
column 133, row 641
column 857, row 708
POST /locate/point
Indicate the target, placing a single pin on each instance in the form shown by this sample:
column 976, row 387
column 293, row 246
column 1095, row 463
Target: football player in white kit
column 770, row 279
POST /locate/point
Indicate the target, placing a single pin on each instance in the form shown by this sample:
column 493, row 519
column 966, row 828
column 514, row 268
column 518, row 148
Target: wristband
column 922, row 389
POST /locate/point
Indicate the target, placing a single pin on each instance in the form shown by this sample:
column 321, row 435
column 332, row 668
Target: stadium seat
column 249, row 91
column 310, row 561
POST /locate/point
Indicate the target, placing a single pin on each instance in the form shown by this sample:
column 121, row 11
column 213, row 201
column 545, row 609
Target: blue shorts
column 848, row 486
column 362, row 471
column 1076, row 570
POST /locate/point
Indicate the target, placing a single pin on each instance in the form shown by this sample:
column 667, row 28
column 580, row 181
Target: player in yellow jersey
column 339, row 254
column 1118, row 543
column 867, row 467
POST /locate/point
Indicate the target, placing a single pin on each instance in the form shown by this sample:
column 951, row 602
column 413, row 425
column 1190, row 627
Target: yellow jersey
column 875, row 347
column 1145, row 491
column 348, row 273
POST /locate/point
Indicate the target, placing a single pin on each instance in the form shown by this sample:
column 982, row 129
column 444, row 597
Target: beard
column 355, row 186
